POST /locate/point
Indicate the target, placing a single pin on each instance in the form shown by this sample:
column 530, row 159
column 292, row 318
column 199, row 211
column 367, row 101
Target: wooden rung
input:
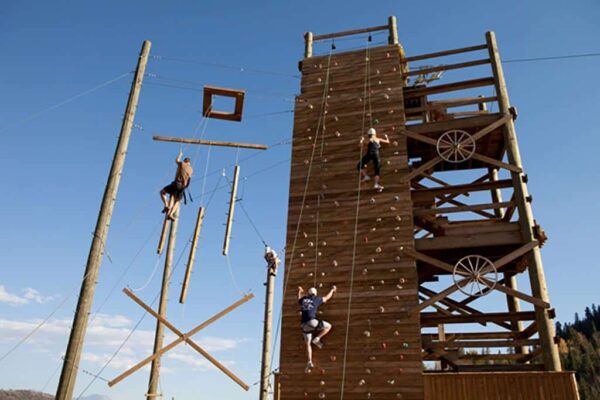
column 445, row 53
column 163, row 236
column 210, row 142
column 192, row 256
column 236, row 174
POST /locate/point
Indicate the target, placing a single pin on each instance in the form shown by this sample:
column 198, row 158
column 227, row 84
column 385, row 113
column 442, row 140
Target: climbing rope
column 367, row 92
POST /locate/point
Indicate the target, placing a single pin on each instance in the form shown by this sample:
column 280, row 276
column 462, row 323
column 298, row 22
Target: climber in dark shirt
column 372, row 155
column 310, row 324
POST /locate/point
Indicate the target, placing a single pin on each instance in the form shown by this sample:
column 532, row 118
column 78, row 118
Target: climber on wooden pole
column 372, row 155
column 310, row 324
column 176, row 189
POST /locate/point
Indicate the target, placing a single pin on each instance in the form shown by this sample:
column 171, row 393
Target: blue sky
column 54, row 165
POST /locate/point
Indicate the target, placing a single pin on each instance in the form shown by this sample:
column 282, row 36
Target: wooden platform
column 501, row 386
column 328, row 217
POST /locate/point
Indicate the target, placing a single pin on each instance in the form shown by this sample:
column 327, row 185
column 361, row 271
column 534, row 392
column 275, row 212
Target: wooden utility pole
column 268, row 328
column 68, row 376
column 162, row 309
column 535, row 268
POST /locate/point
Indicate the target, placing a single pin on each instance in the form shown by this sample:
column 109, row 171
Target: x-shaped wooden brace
column 183, row 337
column 478, row 135
column 454, row 287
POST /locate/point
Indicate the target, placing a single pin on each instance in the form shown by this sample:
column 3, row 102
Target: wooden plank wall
column 501, row 386
column 384, row 343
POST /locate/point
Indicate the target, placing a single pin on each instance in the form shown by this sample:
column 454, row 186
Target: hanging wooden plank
column 210, row 142
column 163, row 236
column 192, row 256
column 236, row 175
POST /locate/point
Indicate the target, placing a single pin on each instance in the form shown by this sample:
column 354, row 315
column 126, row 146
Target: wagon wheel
column 473, row 274
column 455, row 146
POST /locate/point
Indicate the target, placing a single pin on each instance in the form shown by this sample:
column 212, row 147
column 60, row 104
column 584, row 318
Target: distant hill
column 31, row 395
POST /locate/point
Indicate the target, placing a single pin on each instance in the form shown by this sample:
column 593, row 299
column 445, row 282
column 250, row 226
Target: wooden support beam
column 445, row 53
column 525, row 297
column 418, row 136
column 514, row 305
column 185, row 337
column 418, row 171
column 460, row 308
column 162, row 306
column 495, row 191
column 449, row 210
column 232, row 200
column 410, row 93
column 393, row 28
column 351, row 32
column 429, row 260
column 433, row 319
column 441, row 295
column 210, row 142
column 491, row 127
column 536, row 270
column 471, row 299
column 460, row 189
column 510, row 211
column 192, row 256
column 308, row 44
column 163, row 236
column 448, row 67
column 513, row 255
column 496, row 163
column 179, row 340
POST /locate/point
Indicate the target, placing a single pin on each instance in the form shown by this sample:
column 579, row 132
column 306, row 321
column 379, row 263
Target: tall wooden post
column 162, row 309
column 268, row 328
column 535, row 267
column 68, row 376
column 393, row 27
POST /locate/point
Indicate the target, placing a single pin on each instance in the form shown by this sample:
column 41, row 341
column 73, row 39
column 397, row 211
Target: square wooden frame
column 207, row 109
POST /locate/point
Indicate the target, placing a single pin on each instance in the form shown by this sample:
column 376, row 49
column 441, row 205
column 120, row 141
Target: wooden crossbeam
column 441, row 295
column 210, row 142
column 463, row 208
column 481, row 133
column 183, row 337
column 460, row 308
column 418, row 136
column 510, row 211
column 496, row 163
column 430, row 260
column 418, row 171
column 513, row 255
column 525, row 297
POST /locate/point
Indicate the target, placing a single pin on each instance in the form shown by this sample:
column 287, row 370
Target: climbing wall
column 340, row 235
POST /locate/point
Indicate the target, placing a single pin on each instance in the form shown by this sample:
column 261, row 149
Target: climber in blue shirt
column 310, row 324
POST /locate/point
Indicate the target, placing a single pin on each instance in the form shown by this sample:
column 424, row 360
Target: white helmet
column 371, row 132
column 312, row 291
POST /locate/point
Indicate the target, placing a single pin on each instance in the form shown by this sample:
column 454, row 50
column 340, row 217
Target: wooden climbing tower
column 412, row 264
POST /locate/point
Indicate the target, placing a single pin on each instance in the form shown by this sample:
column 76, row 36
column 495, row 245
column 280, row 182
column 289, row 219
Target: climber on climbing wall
column 372, row 155
column 310, row 324
column 176, row 189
